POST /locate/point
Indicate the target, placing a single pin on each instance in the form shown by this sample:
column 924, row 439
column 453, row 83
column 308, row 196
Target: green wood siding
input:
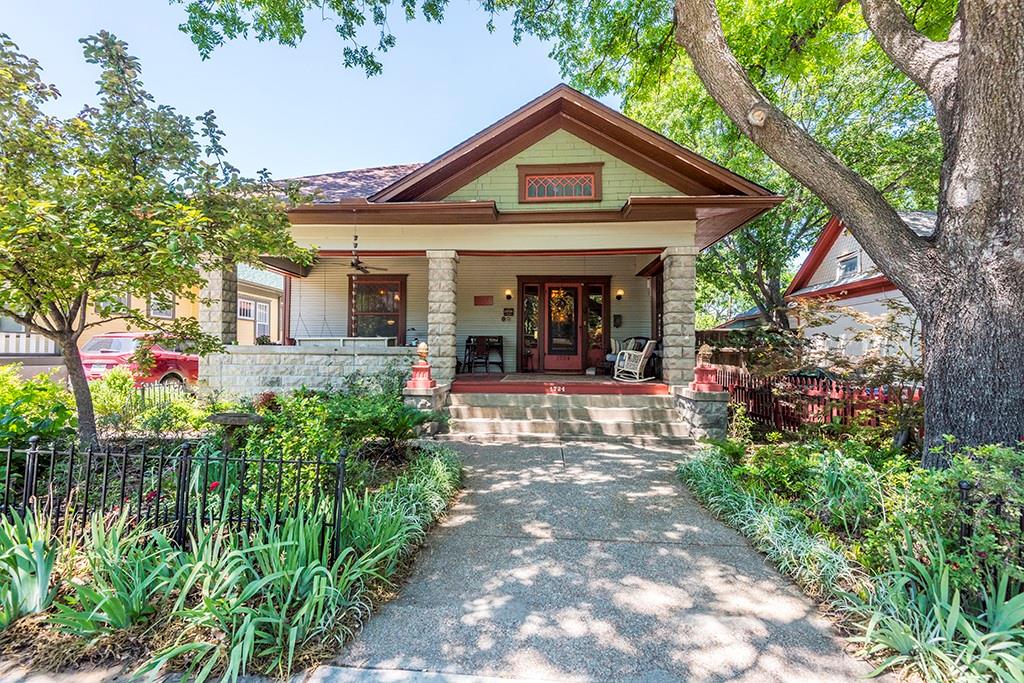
column 619, row 179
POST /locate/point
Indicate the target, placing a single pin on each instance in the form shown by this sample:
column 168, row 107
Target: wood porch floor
column 544, row 383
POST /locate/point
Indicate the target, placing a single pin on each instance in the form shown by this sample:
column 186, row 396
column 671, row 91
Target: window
column 262, row 319
column 160, row 309
column 847, row 265
column 376, row 306
column 10, row 325
column 560, row 183
column 119, row 303
column 245, row 309
column 114, row 345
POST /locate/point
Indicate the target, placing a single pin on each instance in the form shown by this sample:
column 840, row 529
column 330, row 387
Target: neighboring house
column 743, row 321
column 259, row 305
column 838, row 269
column 559, row 228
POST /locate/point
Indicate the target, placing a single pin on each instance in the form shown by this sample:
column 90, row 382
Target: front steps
column 640, row 420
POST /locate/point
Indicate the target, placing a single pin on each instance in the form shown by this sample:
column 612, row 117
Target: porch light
column 619, row 294
column 508, row 295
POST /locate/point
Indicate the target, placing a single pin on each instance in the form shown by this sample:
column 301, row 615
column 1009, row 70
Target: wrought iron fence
column 177, row 485
column 152, row 394
column 975, row 502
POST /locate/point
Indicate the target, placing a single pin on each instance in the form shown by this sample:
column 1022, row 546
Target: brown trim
column 523, row 171
column 874, row 285
column 829, row 234
column 374, row 253
column 382, row 278
column 565, row 252
column 283, row 266
column 653, row 268
column 584, row 112
column 285, row 323
column 541, row 281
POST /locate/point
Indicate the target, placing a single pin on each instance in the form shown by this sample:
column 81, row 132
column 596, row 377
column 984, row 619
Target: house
column 838, row 269
column 260, row 293
column 518, row 255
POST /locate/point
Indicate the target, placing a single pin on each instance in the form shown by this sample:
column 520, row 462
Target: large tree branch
column 906, row 258
column 931, row 64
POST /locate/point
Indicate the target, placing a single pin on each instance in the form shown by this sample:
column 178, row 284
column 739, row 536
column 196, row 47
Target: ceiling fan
column 356, row 263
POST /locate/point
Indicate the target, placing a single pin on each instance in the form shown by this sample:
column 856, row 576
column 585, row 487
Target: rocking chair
column 630, row 365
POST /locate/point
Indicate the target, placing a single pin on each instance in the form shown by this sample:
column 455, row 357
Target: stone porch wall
column 250, row 370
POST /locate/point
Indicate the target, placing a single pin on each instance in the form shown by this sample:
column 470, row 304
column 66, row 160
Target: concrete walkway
column 589, row 563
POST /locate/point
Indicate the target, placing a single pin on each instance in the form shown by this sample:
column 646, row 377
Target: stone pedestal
column 442, row 268
column 218, row 306
column 704, row 413
column 679, row 296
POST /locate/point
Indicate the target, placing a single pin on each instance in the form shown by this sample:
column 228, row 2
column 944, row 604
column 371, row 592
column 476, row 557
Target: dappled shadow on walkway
column 593, row 563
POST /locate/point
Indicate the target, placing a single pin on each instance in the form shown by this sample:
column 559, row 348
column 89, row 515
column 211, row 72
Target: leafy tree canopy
column 815, row 58
column 127, row 198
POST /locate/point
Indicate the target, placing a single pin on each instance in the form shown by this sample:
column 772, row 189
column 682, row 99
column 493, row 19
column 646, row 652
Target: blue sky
column 298, row 111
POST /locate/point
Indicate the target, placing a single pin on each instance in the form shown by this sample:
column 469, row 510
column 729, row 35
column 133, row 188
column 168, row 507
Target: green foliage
column 916, row 618
column 774, row 528
column 38, row 406
column 922, row 598
column 112, row 399
column 127, row 198
column 277, row 595
column 28, row 554
column 129, row 572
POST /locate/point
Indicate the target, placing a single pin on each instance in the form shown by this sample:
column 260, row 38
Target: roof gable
column 921, row 222
column 563, row 107
column 560, row 149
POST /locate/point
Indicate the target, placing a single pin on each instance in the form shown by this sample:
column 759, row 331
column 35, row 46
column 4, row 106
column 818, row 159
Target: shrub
column 38, row 406
column 112, row 399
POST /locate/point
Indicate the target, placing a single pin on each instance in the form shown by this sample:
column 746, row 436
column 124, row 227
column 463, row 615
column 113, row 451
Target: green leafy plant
column 28, row 555
column 129, row 571
column 33, row 407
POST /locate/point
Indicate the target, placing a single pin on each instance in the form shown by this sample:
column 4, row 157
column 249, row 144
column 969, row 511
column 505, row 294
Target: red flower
column 150, row 496
column 214, row 485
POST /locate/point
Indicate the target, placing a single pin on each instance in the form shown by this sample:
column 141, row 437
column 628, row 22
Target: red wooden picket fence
column 789, row 402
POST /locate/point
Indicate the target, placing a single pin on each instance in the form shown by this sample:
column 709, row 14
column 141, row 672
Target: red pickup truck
column 114, row 349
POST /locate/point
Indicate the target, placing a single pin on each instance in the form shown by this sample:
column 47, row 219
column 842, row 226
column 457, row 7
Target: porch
column 517, row 322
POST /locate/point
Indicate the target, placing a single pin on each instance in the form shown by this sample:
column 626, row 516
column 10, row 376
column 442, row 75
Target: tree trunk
column 80, row 388
column 973, row 369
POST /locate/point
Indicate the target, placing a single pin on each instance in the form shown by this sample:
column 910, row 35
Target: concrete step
column 561, row 400
column 644, row 441
column 628, row 413
column 610, row 429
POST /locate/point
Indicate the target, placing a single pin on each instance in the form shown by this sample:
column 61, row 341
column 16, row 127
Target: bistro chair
column 486, row 351
column 630, row 365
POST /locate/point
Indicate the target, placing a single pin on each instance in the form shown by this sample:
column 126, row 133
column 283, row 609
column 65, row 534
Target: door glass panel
column 595, row 316
column 377, row 297
column 562, row 321
column 531, row 315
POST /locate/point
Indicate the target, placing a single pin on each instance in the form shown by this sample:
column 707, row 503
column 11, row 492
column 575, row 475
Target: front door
column 562, row 304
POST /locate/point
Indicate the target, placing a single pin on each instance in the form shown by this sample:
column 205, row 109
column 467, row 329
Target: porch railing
column 24, row 344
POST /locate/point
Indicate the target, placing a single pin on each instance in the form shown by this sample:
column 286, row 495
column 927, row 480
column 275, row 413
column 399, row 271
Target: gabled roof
column 585, row 117
column 718, row 199
column 356, row 184
column 861, row 283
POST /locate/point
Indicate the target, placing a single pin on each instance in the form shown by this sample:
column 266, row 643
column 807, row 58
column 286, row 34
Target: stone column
column 442, row 267
column 679, row 299
column 218, row 316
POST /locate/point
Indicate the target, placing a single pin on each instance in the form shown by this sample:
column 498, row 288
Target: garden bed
column 262, row 569
column 922, row 568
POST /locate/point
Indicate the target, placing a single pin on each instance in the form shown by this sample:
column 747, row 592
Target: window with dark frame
column 376, row 306
column 560, row 183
